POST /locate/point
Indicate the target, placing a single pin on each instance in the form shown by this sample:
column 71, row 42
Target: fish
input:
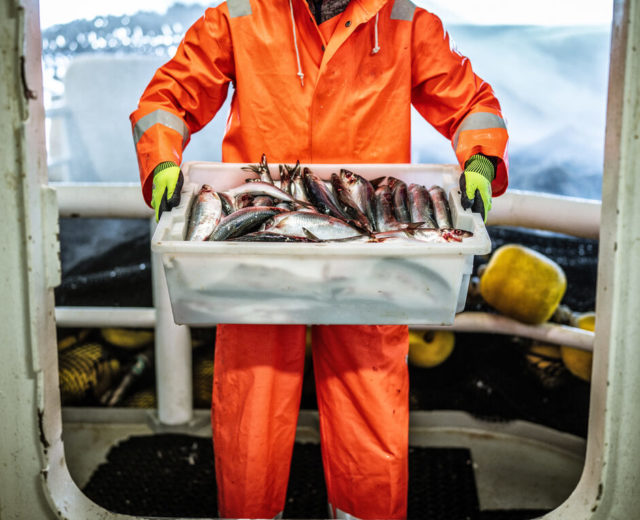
column 420, row 206
column 399, row 194
column 266, row 236
column 262, row 200
column 362, row 193
column 432, row 235
column 260, row 188
column 243, row 221
column 227, row 203
column 206, row 214
column 456, row 235
column 285, row 179
column 262, row 170
column 320, row 196
column 301, row 223
column 242, row 201
column 348, row 205
column 440, row 207
column 384, row 214
column 297, row 189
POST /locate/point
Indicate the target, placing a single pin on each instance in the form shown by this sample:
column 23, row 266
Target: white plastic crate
column 394, row 282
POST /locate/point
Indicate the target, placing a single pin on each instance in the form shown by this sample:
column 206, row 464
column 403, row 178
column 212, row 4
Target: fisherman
column 328, row 81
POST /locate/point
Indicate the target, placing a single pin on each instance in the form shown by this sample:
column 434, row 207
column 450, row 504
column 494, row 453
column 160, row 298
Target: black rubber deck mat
column 172, row 475
column 512, row 514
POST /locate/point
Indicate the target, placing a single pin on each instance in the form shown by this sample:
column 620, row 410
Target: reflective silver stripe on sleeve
column 478, row 121
column 239, row 8
column 344, row 516
column 403, row 10
column 164, row 118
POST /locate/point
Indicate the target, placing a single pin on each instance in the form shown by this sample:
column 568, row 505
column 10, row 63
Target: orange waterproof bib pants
column 299, row 96
column 362, row 390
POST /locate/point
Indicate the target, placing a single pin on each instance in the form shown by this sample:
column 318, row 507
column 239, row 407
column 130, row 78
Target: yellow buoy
column 545, row 362
column 127, row 338
column 429, row 349
column 72, row 339
column 523, row 284
column 579, row 362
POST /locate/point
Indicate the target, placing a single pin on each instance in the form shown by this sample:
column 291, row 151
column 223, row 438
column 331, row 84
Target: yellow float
column 127, row 338
column 523, row 284
column 579, row 362
column 546, row 363
column 431, row 348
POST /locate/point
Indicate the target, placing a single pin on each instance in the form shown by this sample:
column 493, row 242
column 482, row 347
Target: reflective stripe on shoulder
column 239, row 8
column 478, row 121
column 161, row 117
column 403, row 10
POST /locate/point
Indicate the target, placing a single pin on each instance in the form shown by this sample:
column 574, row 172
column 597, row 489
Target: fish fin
column 377, row 181
column 293, row 169
column 358, row 226
column 310, row 235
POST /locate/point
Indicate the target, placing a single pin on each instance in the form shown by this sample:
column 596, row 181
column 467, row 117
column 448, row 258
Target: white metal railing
column 577, row 217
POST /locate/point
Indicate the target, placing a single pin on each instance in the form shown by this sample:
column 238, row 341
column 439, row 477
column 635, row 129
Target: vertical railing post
column 173, row 361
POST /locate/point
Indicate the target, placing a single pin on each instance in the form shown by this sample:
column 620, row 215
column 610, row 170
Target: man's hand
column 167, row 184
column 475, row 184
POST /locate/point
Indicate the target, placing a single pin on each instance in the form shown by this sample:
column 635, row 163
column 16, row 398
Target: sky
column 485, row 12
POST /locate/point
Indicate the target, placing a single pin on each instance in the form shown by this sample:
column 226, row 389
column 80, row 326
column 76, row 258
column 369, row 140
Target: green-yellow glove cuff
column 475, row 184
column 166, row 177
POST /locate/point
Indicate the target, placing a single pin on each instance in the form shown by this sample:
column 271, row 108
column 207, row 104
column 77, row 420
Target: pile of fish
column 303, row 208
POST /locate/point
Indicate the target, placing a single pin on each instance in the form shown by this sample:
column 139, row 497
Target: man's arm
column 462, row 107
column 182, row 97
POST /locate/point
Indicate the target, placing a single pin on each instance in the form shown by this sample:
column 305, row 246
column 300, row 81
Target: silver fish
column 242, row 201
column 320, row 196
column 285, row 178
column 227, row 202
column 266, row 236
column 440, row 207
column 262, row 170
column 298, row 190
column 206, row 214
column 302, row 223
column 422, row 235
column 348, row 205
column 399, row 194
column 260, row 188
column 243, row 221
column 362, row 192
column 385, row 216
column 262, row 200
column 420, row 206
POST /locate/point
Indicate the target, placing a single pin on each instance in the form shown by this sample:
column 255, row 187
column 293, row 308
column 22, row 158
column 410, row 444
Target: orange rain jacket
column 298, row 97
column 301, row 97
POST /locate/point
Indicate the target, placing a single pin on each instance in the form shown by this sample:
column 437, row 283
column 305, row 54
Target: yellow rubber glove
column 475, row 185
column 167, row 184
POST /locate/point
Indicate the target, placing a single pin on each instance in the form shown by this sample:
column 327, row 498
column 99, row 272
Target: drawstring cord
column 295, row 44
column 376, row 48
column 300, row 74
